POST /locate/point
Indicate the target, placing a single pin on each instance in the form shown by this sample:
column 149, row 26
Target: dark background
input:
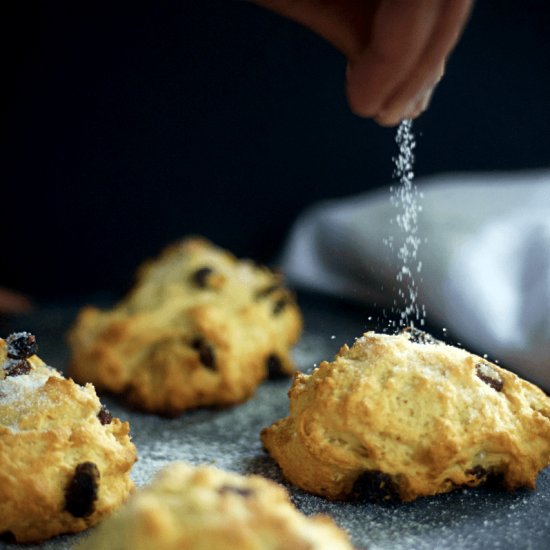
column 126, row 126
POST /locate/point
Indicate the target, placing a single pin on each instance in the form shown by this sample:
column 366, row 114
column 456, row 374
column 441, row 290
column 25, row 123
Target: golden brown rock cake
column 199, row 328
column 405, row 416
column 64, row 460
column 192, row 508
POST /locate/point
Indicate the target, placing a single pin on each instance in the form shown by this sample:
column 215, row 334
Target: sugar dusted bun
column 199, row 328
column 404, row 416
column 64, row 460
column 192, row 508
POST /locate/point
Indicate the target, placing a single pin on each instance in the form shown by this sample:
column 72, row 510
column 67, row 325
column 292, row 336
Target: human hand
column 396, row 49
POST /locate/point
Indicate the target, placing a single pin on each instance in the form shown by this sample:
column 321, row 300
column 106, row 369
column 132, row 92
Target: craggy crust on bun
column 200, row 328
column 202, row 507
column 64, row 460
column 396, row 417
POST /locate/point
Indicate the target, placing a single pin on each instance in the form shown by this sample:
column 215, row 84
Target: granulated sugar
column 406, row 241
column 18, row 388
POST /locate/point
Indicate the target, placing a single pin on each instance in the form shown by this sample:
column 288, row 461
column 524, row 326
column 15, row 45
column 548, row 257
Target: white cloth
column 485, row 256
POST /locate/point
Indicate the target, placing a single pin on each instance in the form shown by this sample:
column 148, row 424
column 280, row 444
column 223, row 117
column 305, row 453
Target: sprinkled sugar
column 405, row 198
column 16, row 388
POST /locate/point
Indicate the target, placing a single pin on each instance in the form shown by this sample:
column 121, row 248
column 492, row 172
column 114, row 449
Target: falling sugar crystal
column 406, row 199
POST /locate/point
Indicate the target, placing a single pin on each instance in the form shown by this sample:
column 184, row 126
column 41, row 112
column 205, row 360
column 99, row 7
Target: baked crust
column 199, row 328
column 202, row 507
column 404, row 416
column 64, row 461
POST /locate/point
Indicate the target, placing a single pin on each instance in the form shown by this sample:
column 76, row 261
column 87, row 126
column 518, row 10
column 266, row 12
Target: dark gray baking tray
column 466, row 519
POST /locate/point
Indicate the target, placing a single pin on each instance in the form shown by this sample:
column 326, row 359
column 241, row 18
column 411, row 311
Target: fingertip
column 410, row 103
column 362, row 99
column 388, row 112
column 394, row 114
column 387, row 121
column 414, row 110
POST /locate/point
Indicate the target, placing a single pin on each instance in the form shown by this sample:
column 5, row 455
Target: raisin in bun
column 404, row 416
column 203, row 507
column 64, row 460
column 199, row 328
